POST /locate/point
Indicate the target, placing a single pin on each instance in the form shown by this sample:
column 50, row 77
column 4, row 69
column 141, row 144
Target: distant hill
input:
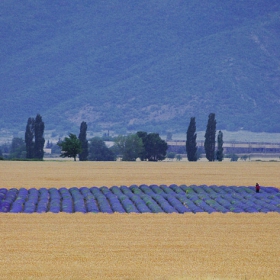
column 140, row 65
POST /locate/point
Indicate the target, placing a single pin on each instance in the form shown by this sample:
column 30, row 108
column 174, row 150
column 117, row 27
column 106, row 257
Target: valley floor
column 139, row 246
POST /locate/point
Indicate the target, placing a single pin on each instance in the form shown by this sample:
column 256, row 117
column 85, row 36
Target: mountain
column 140, row 65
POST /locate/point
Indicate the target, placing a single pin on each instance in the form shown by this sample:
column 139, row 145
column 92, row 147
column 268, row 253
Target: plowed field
column 139, row 246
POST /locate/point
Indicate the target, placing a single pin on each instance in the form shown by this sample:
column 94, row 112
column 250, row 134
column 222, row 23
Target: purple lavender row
column 141, row 199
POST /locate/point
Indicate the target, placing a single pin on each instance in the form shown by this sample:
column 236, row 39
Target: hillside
column 147, row 65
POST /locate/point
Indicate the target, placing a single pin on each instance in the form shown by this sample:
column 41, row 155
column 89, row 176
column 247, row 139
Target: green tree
column 155, row 147
column 70, row 147
column 133, row 148
column 220, row 149
column 171, row 155
column 83, row 138
column 143, row 135
column 39, row 127
column 98, row 151
column 210, row 135
column 244, row 157
column 178, row 157
column 119, row 145
column 18, row 149
column 233, row 157
column 130, row 147
column 191, row 146
column 29, row 135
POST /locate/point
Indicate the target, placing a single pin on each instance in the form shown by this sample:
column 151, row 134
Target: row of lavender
column 141, row 199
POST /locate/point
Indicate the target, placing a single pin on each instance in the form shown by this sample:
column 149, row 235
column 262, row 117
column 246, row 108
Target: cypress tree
column 210, row 135
column 191, row 147
column 220, row 149
column 29, row 135
column 39, row 128
column 83, row 155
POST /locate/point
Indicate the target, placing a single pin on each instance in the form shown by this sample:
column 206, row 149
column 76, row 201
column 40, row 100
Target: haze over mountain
column 140, row 65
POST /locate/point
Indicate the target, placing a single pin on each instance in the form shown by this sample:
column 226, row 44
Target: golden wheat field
column 139, row 246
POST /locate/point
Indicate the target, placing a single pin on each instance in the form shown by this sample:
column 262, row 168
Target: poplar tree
column 83, row 155
column 220, row 149
column 191, row 147
column 39, row 143
column 210, row 135
column 29, row 135
column 34, row 138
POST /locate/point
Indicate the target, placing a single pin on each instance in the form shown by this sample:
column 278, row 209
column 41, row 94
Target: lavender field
column 141, row 199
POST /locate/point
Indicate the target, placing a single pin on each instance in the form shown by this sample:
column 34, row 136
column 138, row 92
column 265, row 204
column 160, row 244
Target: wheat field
column 139, row 246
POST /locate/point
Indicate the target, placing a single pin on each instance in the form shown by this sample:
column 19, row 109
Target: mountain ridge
column 141, row 66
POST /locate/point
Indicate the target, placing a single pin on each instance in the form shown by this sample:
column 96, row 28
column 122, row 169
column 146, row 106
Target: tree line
column 210, row 141
column 32, row 147
column 141, row 145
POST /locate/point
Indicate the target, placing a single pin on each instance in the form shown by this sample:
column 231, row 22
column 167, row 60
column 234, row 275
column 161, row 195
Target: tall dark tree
column 39, row 128
column 83, row 138
column 29, row 136
column 210, row 137
column 191, row 146
column 220, row 149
